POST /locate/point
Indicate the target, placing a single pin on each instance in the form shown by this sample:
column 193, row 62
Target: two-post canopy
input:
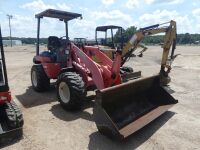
column 61, row 15
column 105, row 28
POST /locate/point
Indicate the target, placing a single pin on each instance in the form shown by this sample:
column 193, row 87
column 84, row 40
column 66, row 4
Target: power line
column 9, row 18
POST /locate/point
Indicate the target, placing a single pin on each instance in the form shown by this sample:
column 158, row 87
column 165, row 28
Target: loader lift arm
column 169, row 41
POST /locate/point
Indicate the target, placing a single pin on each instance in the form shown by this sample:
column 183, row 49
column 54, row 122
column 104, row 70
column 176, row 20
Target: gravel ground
column 48, row 126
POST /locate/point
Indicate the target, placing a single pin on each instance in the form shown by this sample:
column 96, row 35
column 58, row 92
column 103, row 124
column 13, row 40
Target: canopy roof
column 105, row 28
column 62, row 15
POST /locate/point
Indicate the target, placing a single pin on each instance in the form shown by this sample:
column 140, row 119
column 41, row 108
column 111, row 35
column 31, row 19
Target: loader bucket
column 123, row 109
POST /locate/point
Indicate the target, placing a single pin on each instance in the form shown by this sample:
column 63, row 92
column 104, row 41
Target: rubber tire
column 14, row 115
column 43, row 82
column 77, row 90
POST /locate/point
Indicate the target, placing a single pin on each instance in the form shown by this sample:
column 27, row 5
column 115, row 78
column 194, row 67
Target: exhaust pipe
column 123, row 109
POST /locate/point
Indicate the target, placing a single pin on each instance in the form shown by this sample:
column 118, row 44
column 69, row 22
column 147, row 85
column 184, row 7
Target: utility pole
column 9, row 18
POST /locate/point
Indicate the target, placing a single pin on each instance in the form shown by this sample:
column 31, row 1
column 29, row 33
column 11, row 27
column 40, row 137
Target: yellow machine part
column 109, row 53
column 106, row 50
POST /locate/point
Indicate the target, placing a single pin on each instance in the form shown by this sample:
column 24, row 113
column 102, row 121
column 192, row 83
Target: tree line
column 186, row 38
column 28, row 40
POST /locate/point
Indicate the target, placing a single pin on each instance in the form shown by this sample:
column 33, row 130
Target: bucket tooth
column 123, row 109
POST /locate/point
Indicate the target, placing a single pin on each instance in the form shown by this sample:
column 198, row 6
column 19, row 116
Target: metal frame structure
column 105, row 29
column 169, row 28
column 78, row 58
column 51, row 13
column 8, row 133
column 4, row 87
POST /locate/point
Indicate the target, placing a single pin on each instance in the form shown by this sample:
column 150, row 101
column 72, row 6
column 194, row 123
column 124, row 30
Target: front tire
column 40, row 81
column 70, row 90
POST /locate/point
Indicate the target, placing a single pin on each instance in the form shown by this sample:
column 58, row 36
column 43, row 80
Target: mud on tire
column 40, row 81
column 71, row 90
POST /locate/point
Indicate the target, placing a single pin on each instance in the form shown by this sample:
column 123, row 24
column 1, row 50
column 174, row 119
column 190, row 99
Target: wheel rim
column 34, row 78
column 64, row 92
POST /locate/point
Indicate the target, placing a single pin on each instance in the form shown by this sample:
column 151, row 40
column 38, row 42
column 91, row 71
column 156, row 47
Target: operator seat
column 56, row 47
column 53, row 46
column 53, row 43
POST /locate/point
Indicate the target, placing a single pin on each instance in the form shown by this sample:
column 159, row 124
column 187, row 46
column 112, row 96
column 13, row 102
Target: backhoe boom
column 169, row 40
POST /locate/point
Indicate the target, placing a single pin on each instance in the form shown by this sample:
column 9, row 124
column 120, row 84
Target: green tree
column 186, row 39
column 127, row 34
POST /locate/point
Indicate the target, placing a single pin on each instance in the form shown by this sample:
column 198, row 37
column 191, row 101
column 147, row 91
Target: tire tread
column 77, row 90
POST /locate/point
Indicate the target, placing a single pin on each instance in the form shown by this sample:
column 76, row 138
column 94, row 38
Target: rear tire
column 71, row 90
column 40, row 81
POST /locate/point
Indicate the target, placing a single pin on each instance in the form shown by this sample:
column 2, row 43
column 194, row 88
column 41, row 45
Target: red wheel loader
column 120, row 108
column 11, row 119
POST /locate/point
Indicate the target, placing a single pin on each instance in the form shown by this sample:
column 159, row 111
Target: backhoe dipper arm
column 169, row 40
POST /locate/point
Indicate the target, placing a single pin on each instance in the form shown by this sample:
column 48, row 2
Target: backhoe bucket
column 123, row 109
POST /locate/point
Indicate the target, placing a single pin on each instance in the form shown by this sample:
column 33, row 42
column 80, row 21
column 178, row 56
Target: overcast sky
column 125, row 13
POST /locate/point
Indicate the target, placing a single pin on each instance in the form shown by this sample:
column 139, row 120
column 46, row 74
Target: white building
column 14, row 42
